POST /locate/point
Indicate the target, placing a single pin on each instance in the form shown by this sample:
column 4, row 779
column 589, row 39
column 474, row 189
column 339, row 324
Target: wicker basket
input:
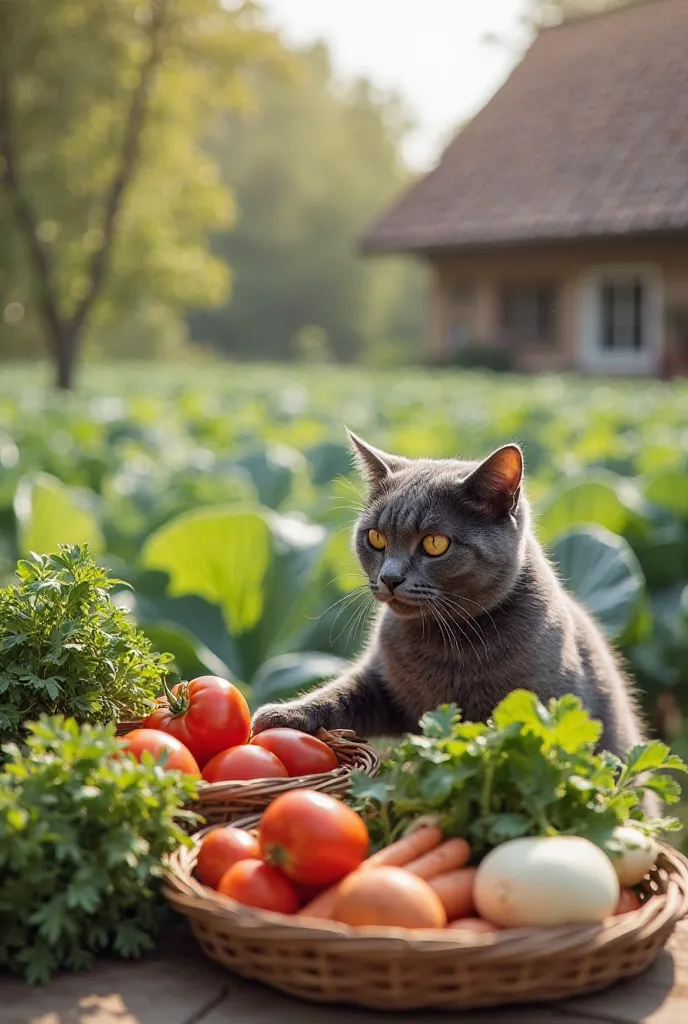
column 221, row 802
column 392, row 969
column 126, row 726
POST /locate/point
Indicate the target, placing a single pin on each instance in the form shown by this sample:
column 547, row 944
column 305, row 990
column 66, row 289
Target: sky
column 433, row 53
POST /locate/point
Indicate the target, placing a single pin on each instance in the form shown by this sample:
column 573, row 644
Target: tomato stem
column 276, row 855
column 178, row 703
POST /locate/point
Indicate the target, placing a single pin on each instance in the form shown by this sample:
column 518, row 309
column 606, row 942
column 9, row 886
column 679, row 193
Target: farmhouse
column 556, row 223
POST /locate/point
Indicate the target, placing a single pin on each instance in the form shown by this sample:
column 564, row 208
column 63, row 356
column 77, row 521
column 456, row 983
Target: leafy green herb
column 65, row 648
column 532, row 770
column 82, row 834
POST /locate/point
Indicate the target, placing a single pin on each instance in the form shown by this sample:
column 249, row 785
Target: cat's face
column 445, row 534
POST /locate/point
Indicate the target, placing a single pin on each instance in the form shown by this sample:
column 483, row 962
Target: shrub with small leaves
column 65, row 648
column 83, row 831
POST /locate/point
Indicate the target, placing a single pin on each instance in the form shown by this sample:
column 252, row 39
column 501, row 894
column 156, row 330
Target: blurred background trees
column 161, row 156
column 309, row 169
column 108, row 196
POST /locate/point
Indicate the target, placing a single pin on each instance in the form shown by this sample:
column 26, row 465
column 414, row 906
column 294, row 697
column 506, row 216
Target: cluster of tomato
column 306, row 842
column 204, row 729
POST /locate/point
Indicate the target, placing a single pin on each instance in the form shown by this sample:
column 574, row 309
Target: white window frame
column 594, row 358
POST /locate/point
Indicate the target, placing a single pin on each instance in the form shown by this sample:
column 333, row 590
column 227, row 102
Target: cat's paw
column 284, row 716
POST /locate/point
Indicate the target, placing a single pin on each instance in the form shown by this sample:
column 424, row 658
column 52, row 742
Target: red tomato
column 312, row 837
column 628, row 901
column 256, row 884
column 300, row 753
column 157, row 743
column 220, row 849
column 243, row 763
column 207, row 715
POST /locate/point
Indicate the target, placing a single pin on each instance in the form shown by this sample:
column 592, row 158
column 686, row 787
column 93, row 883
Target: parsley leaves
column 83, row 832
column 65, row 648
column 532, row 770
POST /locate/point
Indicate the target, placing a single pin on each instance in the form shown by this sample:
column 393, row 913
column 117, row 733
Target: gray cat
column 471, row 607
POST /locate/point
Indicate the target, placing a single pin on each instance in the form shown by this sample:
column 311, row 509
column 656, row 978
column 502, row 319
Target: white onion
column 546, row 882
column 638, row 857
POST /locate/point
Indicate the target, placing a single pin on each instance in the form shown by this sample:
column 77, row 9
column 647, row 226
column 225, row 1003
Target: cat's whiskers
column 422, row 620
column 447, row 609
column 447, row 637
column 360, row 619
column 357, row 612
column 468, row 600
column 352, row 607
column 348, row 508
column 470, row 620
column 455, row 606
column 354, row 574
column 342, row 602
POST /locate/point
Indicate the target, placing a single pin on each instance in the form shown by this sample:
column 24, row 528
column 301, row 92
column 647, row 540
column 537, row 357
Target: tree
column 107, row 196
column 319, row 160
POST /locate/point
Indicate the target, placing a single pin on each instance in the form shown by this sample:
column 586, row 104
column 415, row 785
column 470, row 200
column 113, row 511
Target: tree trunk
column 63, row 334
column 64, row 345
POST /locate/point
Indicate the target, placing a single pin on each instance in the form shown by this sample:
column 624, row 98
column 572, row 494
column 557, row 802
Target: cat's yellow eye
column 377, row 540
column 435, row 544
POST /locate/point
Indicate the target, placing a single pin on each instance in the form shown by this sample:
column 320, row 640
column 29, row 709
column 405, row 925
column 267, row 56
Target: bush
column 83, row 831
column 478, row 357
column 65, row 648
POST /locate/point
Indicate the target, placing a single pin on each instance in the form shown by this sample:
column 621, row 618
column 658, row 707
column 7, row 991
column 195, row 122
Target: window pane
column 622, row 305
column 608, row 316
column 528, row 312
column 638, row 314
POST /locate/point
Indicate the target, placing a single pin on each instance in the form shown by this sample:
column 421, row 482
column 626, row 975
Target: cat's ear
column 496, row 484
column 373, row 465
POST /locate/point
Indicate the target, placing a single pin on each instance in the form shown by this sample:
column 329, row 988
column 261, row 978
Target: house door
column 621, row 320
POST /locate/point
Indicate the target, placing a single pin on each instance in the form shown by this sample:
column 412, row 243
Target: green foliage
column 310, row 169
column 602, row 571
column 531, row 771
column 83, row 832
column 596, row 499
column 183, row 462
column 287, row 675
column 49, row 514
column 106, row 106
column 259, row 568
column 65, row 648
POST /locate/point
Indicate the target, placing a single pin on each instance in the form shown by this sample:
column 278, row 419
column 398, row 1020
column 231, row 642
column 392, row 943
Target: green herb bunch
column 65, row 648
column 531, row 771
column 83, row 831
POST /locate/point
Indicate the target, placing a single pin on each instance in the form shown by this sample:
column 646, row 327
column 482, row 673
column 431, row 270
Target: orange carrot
column 448, row 856
column 409, row 848
column 455, row 890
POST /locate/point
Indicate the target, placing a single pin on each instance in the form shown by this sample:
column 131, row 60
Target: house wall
column 564, row 266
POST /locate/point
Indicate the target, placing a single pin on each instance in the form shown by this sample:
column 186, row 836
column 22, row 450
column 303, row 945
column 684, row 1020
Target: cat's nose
column 391, row 580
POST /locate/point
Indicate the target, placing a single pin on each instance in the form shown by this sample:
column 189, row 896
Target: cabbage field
column 224, row 496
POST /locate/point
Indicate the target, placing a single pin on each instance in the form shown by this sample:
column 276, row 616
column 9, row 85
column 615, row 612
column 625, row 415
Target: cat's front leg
column 358, row 700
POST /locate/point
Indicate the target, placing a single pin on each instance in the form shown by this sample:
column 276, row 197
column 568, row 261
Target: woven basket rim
column 338, row 739
column 332, row 737
column 661, row 908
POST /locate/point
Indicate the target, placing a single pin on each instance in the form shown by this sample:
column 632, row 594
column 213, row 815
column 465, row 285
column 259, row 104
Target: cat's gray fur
column 468, row 627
